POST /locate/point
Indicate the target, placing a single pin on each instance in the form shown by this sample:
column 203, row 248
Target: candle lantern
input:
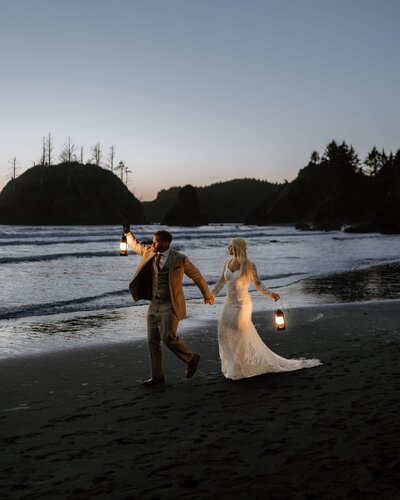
column 123, row 246
column 280, row 320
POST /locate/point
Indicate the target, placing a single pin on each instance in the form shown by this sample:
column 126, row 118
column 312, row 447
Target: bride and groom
column 159, row 277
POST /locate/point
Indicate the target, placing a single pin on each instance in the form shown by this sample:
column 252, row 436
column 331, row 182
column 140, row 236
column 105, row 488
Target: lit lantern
column 123, row 246
column 280, row 320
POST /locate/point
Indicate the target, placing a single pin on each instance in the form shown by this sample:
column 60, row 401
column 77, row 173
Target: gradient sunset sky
column 198, row 91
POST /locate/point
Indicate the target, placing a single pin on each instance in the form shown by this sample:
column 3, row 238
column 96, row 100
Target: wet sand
column 378, row 282
column 79, row 424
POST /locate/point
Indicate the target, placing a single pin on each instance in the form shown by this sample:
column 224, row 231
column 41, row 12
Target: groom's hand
column 209, row 300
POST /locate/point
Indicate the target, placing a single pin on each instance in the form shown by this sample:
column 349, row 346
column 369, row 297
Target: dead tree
column 49, row 148
column 43, row 156
column 13, row 170
column 68, row 152
column 127, row 172
column 111, row 157
column 97, row 154
column 121, row 168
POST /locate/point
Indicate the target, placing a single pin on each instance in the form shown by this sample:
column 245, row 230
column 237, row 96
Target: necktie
column 158, row 258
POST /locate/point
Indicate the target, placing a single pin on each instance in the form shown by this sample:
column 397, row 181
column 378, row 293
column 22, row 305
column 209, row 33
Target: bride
column 243, row 354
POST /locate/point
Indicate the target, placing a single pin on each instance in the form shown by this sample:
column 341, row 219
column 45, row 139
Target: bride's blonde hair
column 239, row 247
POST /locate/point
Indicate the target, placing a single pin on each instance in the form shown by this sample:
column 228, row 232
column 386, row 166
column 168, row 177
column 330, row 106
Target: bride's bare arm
column 260, row 286
column 219, row 285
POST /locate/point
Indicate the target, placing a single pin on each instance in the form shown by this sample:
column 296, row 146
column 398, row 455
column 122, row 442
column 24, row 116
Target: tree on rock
column 73, row 194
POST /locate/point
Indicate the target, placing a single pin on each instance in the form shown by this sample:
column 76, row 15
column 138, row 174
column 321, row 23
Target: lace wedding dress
column 243, row 354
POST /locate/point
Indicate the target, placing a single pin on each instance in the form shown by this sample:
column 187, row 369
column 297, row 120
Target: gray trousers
column 162, row 325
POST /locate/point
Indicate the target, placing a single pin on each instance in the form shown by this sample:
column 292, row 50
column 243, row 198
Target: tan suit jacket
column 141, row 285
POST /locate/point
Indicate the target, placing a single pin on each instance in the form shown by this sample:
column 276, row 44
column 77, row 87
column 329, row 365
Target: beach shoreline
column 79, row 424
column 37, row 335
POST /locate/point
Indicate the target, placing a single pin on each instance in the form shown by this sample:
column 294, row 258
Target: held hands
column 209, row 300
column 275, row 296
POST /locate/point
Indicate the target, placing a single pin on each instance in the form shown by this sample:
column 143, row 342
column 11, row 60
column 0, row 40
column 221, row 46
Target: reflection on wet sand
column 375, row 283
column 66, row 331
column 69, row 326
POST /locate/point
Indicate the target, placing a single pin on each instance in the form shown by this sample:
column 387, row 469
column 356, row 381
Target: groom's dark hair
column 163, row 235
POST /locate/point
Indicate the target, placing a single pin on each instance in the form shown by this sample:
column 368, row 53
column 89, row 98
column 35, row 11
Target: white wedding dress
column 243, row 354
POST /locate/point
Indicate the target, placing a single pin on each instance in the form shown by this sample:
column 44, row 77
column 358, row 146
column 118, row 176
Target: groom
column 158, row 278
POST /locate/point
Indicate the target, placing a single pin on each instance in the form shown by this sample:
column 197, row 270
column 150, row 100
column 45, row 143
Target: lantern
column 280, row 320
column 123, row 246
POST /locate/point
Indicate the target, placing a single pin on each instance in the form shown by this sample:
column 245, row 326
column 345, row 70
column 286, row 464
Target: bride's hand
column 275, row 296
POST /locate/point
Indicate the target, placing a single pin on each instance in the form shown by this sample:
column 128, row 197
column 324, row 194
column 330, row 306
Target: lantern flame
column 123, row 246
column 280, row 320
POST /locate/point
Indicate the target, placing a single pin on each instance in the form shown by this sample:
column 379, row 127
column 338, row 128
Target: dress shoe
column 192, row 365
column 154, row 381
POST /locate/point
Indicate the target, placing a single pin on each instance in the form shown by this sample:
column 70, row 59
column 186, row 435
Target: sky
column 198, row 91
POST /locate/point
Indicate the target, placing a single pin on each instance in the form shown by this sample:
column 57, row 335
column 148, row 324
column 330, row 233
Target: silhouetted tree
column 49, row 149
column 68, row 152
column 314, row 158
column 127, row 172
column 341, row 156
column 13, row 168
column 111, row 157
column 14, row 171
column 97, row 154
column 374, row 162
column 388, row 166
column 42, row 160
column 121, row 167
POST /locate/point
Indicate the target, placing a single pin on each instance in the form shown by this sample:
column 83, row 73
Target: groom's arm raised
column 134, row 244
column 195, row 275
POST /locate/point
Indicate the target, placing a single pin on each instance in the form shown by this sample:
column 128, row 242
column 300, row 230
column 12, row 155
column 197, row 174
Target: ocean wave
column 122, row 298
column 36, row 242
column 43, row 258
column 234, row 233
column 93, row 302
column 265, row 278
column 295, row 255
column 144, row 233
column 106, row 300
column 58, row 232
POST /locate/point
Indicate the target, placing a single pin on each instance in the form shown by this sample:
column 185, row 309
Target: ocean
column 65, row 287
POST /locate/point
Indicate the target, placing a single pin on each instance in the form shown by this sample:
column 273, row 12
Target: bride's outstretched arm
column 260, row 286
column 219, row 285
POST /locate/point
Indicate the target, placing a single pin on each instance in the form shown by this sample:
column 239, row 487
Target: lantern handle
column 280, row 303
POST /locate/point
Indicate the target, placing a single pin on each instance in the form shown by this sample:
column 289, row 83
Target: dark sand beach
column 79, row 424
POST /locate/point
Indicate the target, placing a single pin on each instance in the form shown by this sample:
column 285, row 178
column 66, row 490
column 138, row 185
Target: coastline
column 79, row 424
column 37, row 335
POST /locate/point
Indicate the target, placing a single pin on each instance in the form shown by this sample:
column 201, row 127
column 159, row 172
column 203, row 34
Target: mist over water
column 69, row 284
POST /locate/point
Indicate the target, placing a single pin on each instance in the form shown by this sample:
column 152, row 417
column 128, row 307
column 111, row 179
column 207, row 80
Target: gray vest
column 161, row 282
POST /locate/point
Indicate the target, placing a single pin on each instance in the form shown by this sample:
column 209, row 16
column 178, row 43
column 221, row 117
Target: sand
column 79, row 424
